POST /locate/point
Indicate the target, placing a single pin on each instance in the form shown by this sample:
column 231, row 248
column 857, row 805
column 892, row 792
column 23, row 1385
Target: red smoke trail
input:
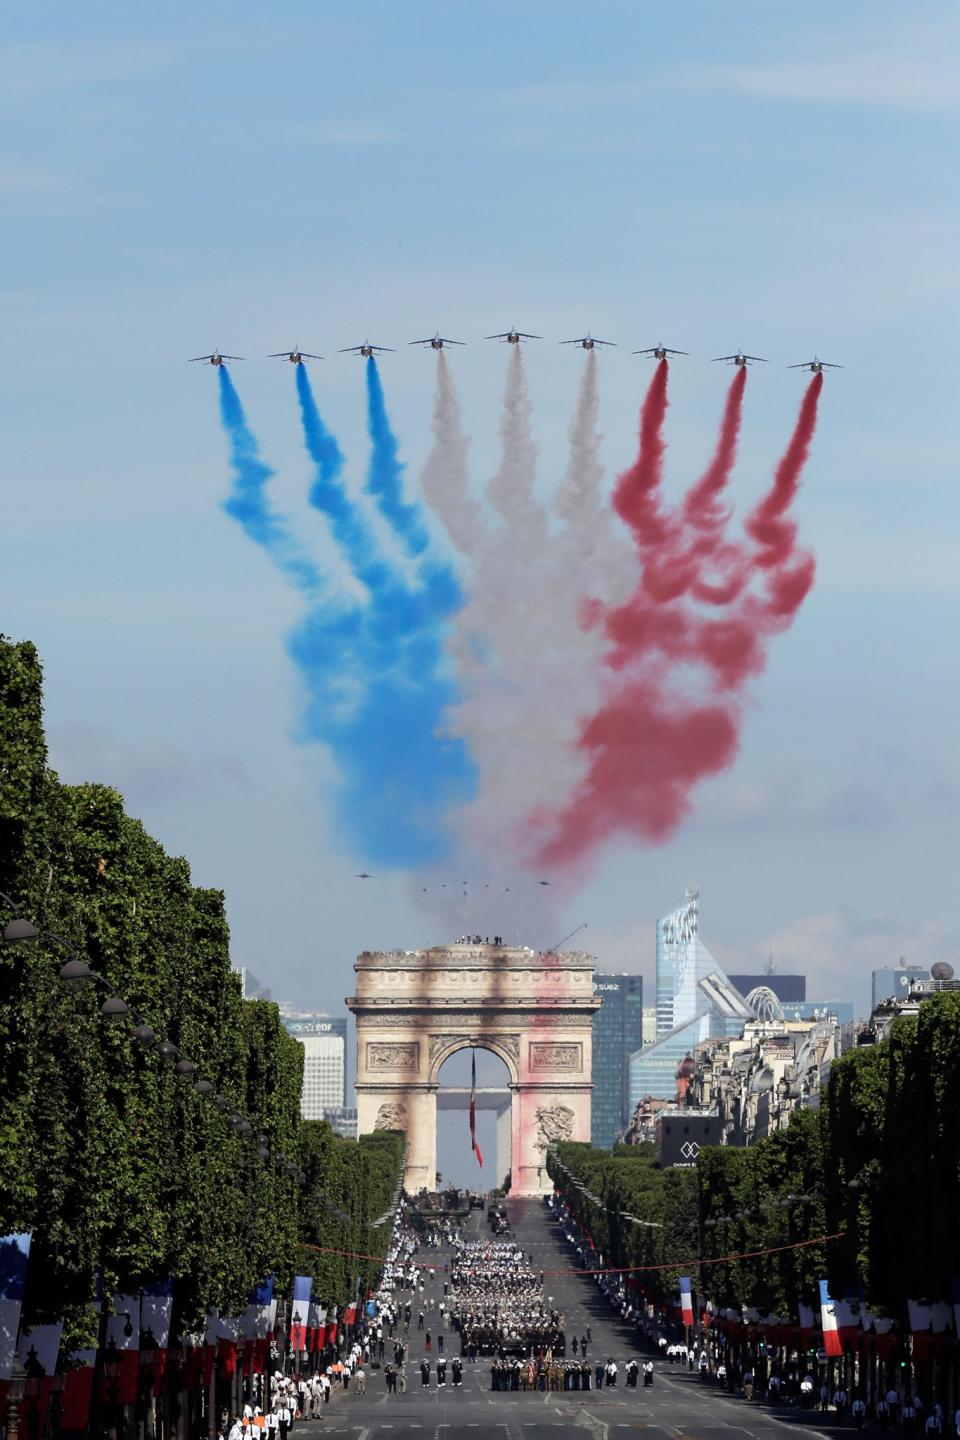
column 652, row 740
column 683, row 566
column 635, row 498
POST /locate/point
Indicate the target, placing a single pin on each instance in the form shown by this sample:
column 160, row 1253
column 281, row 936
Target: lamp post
column 33, row 1391
column 15, row 1389
column 111, row 1374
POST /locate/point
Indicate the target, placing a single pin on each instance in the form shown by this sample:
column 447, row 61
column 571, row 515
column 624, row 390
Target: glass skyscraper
column 617, row 1032
column 695, row 1001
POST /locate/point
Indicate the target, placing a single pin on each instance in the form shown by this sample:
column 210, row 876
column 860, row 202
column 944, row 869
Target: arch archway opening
column 456, row 1162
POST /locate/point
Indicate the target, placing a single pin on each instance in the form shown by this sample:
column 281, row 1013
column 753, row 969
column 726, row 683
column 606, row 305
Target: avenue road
column 677, row 1405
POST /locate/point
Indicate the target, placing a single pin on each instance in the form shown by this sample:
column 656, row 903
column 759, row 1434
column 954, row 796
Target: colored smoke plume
column 660, row 732
column 376, row 682
column 385, row 473
column 247, row 502
column 636, row 498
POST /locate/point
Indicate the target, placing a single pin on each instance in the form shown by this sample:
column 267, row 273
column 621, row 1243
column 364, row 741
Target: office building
column 785, row 987
column 839, row 1010
column 617, row 1032
column 342, row 1122
column 695, row 1001
column 324, row 1041
column 649, row 1024
column 895, row 984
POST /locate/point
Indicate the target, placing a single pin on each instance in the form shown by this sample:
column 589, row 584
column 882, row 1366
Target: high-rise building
column 695, row 1001
column 785, row 987
column 649, row 1024
column 324, row 1041
column 617, row 1032
column 895, row 984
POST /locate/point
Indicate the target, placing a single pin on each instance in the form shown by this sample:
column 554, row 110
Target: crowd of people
column 497, row 1303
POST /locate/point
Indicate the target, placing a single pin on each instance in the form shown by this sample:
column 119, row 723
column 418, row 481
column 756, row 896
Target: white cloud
column 883, row 79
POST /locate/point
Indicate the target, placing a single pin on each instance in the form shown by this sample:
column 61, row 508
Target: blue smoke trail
column 385, row 474
column 247, row 501
column 377, row 680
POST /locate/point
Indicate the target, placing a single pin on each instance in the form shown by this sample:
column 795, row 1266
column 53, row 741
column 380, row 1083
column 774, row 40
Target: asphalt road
column 677, row 1405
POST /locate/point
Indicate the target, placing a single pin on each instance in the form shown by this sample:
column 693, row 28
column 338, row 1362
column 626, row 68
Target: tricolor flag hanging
column 156, row 1312
column 123, row 1335
column 14, row 1253
column 686, row 1300
column 300, row 1314
column 78, row 1378
column 473, row 1109
column 828, row 1319
column 257, row 1325
column 320, row 1335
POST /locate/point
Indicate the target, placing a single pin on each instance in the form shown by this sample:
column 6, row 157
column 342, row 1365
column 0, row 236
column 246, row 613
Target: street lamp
column 76, row 973
column 19, row 928
column 15, row 1388
column 114, row 1009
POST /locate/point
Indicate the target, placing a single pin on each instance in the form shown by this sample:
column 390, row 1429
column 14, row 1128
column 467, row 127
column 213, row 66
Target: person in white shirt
column 271, row 1424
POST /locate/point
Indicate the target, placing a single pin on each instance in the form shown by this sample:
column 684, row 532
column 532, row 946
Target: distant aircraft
column 437, row 342
column 587, row 342
column 815, row 366
column 366, row 349
column 296, row 357
column 363, row 876
column 513, row 337
column 543, row 882
column 659, row 352
column 740, row 359
column 215, row 359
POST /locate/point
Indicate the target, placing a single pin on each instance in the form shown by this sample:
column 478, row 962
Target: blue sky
column 251, row 177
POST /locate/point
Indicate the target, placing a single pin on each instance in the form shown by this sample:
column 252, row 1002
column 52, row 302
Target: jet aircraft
column 296, row 357
column 513, row 337
column 587, row 342
column 366, row 349
column 660, row 352
column 437, row 342
column 215, row 359
column 815, row 366
column 740, row 359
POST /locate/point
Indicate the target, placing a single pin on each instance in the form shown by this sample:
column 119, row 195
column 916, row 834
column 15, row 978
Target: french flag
column 473, row 1109
column 228, row 1338
column 300, row 1315
column 43, row 1342
column 686, row 1300
column 350, row 1314
column 828, row 1319
column 156, row 1313
column 14, row 1254
column 257, row 1325
column 123, row 1334
column 332, row 1326
column 320, row 1335
column 78, row 1379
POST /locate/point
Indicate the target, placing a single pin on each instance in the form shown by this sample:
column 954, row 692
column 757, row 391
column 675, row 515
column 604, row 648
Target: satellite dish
column 941, row 970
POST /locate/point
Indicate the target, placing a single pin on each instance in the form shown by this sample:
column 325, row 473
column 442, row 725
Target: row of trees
column 875, row 1166
column 108, row 1157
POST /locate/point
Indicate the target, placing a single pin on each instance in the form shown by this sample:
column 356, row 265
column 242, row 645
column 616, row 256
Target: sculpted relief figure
column 392, row 1115
column 554, row 1122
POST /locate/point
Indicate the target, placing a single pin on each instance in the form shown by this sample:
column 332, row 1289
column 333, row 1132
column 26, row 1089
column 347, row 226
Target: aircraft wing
column 229, row 357
column 429, row 341
column 195, row 358
column 524, row 336
column 575, row 342
column 351, row 350
column 451, row 342
column 612, row 343
column 723, row 357
column 675, row 352
column 305, row 354
column 755, row 357
column 505, row 336
column 383, row 349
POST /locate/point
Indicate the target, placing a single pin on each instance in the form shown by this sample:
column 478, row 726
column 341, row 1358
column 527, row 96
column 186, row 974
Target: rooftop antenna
column 554, row 948
column 771, row 968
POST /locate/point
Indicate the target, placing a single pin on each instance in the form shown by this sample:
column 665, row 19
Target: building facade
column 894, row 984
column 785, row 987
column 324, row 1041
column 617, row 1033
column 695, row 1001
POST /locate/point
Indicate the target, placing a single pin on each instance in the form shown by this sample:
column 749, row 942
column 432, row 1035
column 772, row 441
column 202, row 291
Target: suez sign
column 599, row 989
column 315, row 1027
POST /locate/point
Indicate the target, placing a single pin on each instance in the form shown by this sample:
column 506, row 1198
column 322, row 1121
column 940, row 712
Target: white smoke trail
column 526, row 669
column 445, row 478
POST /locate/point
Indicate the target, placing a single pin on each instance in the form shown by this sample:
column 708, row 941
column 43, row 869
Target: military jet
column 587, row 342
column 296, row 357
column 215, row 359
column 363, row 876
column 740, row 359
column 366, row 350
column 659, row 352
column 437, row 342
column 513, row 337
column 815, row 366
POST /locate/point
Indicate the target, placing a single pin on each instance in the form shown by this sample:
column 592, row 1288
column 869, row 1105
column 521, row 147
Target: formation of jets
column 513, row 336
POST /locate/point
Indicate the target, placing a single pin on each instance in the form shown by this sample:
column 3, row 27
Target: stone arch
column 505, row 1047
column 534, row 1011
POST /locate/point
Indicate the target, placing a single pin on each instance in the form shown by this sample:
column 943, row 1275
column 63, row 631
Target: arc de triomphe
column 416, row 1008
